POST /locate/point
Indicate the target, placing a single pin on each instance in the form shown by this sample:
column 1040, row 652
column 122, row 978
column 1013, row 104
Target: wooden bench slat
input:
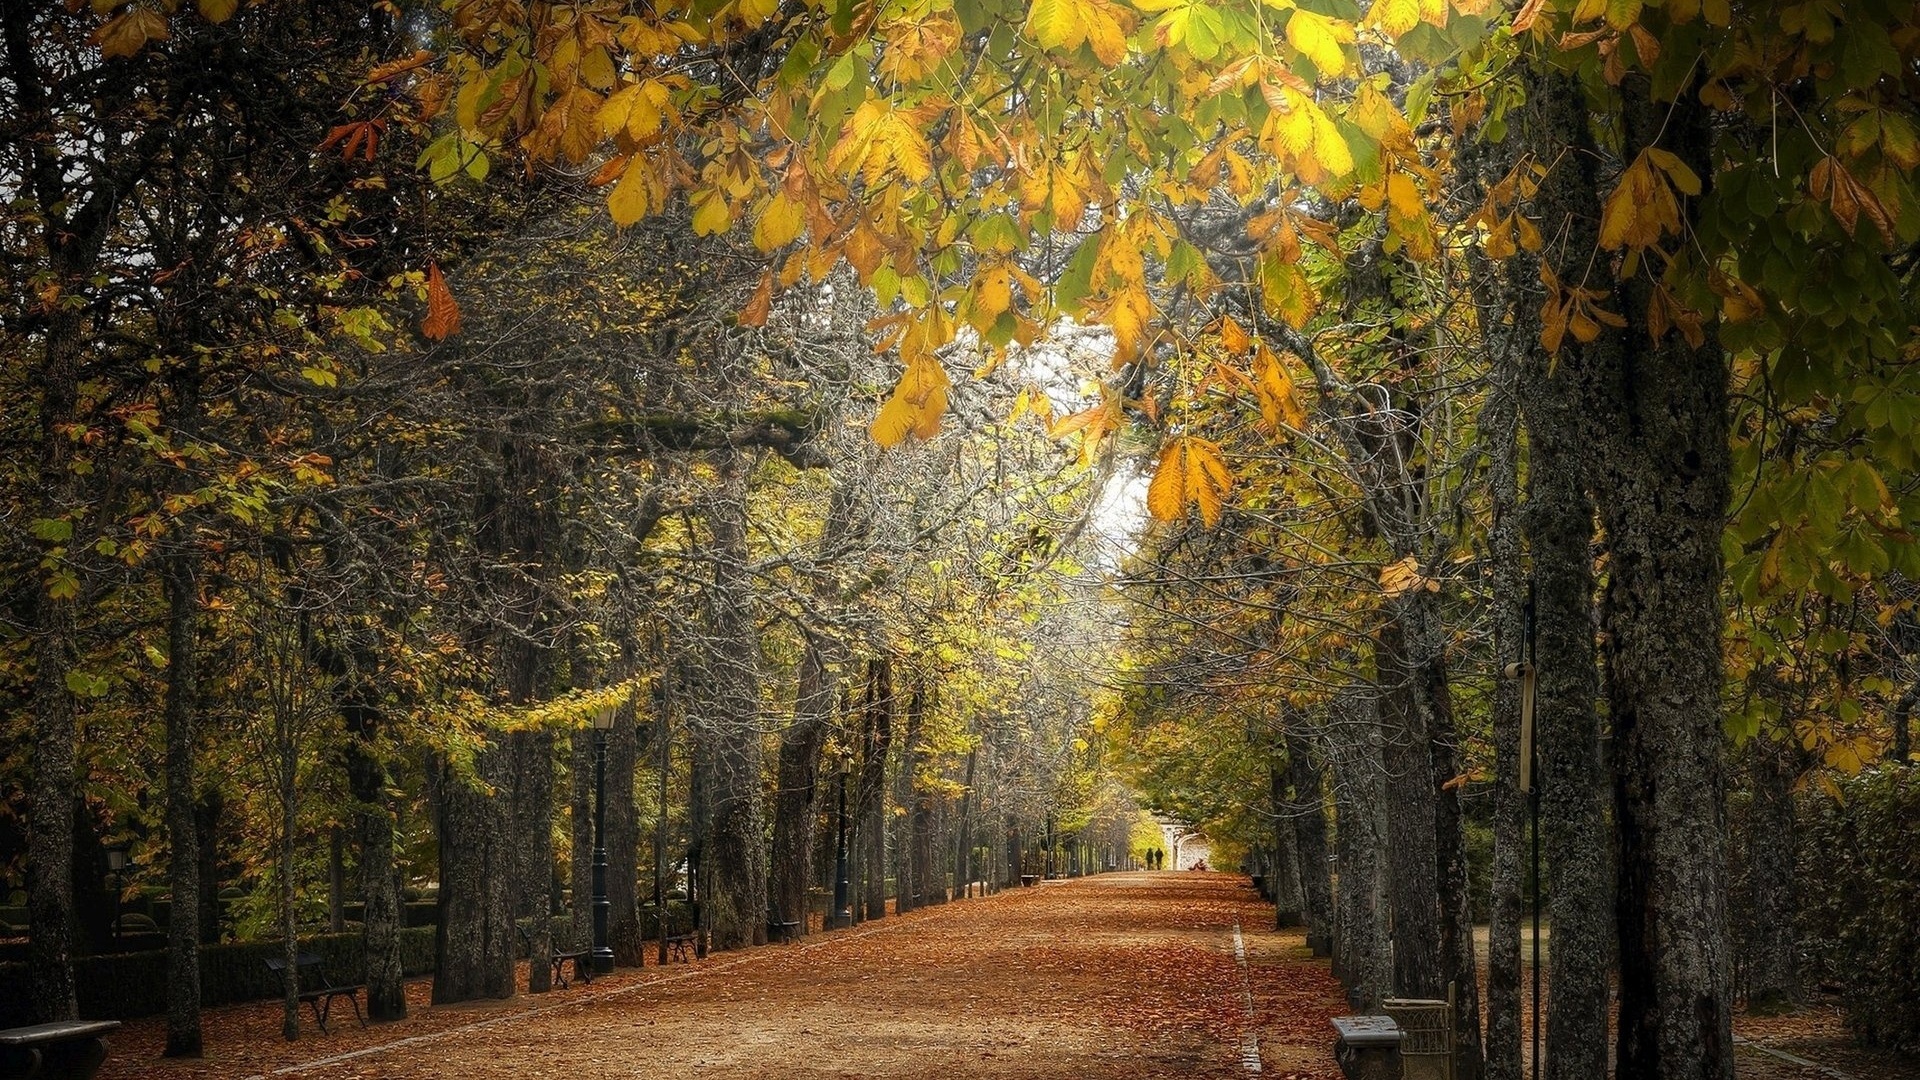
column 57, row 1031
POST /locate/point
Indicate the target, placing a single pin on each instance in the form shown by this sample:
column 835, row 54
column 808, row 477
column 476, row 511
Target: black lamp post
column 602, row 952
column 842, row 913
column 117, row 873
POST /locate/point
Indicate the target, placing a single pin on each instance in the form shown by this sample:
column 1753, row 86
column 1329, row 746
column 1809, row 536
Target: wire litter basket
column 1426, row 1048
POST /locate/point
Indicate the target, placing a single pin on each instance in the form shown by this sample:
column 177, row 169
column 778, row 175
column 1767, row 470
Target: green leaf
column 52, row 530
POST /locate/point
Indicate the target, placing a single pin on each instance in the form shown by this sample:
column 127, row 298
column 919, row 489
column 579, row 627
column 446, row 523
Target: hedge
column 123, row 986
column 1860, row 906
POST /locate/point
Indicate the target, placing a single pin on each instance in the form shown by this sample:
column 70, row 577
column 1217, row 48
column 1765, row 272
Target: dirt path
column 1122, row 975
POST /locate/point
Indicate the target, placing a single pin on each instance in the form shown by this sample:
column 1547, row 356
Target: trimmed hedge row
column 1860, row 908
column 123, row 986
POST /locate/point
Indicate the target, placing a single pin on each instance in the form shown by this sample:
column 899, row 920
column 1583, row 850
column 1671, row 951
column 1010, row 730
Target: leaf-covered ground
column 1122, row 975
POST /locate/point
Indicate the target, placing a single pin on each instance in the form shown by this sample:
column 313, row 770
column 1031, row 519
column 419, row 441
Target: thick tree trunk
column 871, row 815
column 206, row 827
column 624, row 933
column 475, row 940
column 1283, row 870
column 183, row 834
column 1458, row 966
column 1559, row 520
column 383, row 916
column 1500, row 421
column 532, row 848
column 1412, row 846
column 917, row 865
column 797, row 794
column 1772, row 978
column 1359, row 802
column 1307, row 815
column 1657, row 458
column 580, row 823
column 736, row 846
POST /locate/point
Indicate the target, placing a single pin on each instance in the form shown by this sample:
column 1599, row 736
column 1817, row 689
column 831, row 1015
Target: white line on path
column 1824, row 1070
column 1250, row 1045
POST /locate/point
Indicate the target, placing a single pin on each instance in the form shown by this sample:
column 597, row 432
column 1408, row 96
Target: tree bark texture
column 580, row 826
column 1656, row 425
column 797, row 794
column 1412, row 847
column 1307, row 815
column 1361, row 840
column 183, row 835
column 532, row 848
column 475, row 941
column 383, row 917
column 871, row 806
column 736, row 845
column 1501, row 422
column 624, row 933
column 1559, row 521
column 1283, row 871
column 1772, row 982
column 1458, row 966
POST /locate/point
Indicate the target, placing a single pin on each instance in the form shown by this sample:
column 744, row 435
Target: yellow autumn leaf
column 1394, row 17
column 633, row 197
column 711, row 214
column 218, row 11
column 1189, row 473
column 781, row 222
column 1280, row 406
column 128, row 32
column 1320, row 39
column 1404, row 576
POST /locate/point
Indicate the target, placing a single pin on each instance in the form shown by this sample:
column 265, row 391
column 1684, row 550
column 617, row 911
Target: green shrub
column 1860, row 905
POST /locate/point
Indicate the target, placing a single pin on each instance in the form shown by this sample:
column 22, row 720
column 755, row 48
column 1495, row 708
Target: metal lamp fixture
column 603, row 718
column 842, row 912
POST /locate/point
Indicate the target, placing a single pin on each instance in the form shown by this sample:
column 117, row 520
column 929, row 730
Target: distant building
column 1184, row 846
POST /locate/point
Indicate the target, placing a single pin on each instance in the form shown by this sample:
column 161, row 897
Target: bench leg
column 320, row 1013
column 355, row 999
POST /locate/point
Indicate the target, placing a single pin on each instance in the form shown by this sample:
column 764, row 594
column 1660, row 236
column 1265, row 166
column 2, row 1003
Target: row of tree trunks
column 1305, row 812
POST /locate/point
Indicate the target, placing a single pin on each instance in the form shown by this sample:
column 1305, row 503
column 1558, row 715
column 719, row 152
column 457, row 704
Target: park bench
column 1367, row 1047
column 788, row 932
column 66, row 1048
column 320, row 995
column 582, row 961
column 681, row 946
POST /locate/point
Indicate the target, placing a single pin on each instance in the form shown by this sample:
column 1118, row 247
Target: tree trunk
column 1500, row 421
column 914, row 793
column 475, row 940
column 1283, row 871
column 736, row 845
column 580, row 821
column 206, row 826
column 336, row 880
column 532, row 848
column 1772, row 979
column 383, row 917
column 183, row 834
column 797, row 794
column 1359, row 800
column 1559, row 522
column 1657, row 457
column 1306, row 813
column 1412, row 847
column 871, row 813
column 624, row 933
column 1458, row 964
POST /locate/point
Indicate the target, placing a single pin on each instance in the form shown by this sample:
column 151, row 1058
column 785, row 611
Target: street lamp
column 602, row 952
column 117, row 871
column 842, row 913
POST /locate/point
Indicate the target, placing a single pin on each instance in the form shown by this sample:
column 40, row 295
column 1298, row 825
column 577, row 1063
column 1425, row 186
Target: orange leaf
column 443, row 313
